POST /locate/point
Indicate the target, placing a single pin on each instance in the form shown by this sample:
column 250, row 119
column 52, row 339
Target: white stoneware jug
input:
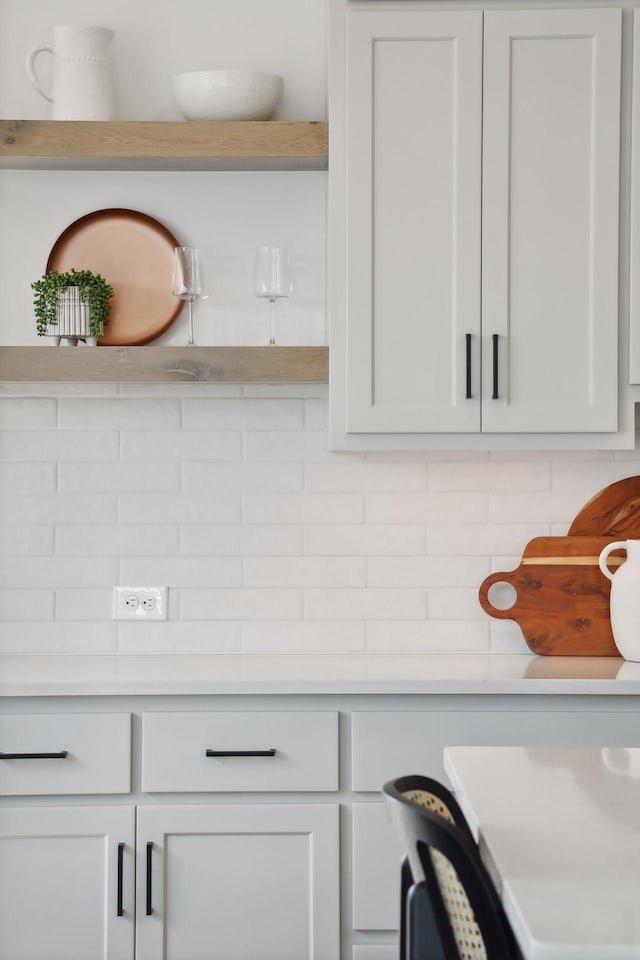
column 624, row 605
column 82, row 81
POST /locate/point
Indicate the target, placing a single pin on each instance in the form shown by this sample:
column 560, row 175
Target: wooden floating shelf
column 271, row 364
column 166, row 145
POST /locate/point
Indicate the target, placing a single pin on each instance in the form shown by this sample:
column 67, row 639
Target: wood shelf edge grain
column 271, row 364
column 178, row 144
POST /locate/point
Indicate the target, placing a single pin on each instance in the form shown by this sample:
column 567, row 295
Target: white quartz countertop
column 313, row 673
column 560, row 829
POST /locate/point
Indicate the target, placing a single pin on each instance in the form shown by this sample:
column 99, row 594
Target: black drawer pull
column 468, row 395
column 34, row 756
column 241, row 753
column 149, row 907
column 120, row 911
column 495, row 393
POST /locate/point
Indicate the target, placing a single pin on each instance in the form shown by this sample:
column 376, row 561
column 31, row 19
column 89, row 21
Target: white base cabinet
column 67, row 883
column 235, row 882
column 244, row 855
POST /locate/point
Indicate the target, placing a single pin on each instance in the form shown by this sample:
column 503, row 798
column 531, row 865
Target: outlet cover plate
column 140, row 603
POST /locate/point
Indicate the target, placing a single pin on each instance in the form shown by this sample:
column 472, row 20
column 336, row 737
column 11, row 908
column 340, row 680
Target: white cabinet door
column 413, row 142
column 635, row 207
column 551, row 137
column 61, row 870
column 231, row 882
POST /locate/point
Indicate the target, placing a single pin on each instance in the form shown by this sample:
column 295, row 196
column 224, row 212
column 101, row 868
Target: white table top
column 559, row 828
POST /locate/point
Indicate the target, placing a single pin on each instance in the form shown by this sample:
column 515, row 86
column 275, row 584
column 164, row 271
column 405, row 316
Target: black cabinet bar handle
column 34, row 756
column 241, row 753
column 120, row 911
column 467, row 394
column 149, row 907
column 494, row 394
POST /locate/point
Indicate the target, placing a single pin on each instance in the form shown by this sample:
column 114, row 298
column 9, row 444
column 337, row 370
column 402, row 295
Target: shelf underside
column 271, row 364
column 167, row 145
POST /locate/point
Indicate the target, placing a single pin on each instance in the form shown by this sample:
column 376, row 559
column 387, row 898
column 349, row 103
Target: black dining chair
column 451, row 910
column 433, row 795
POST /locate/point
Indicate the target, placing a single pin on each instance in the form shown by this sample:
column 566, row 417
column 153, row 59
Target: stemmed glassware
column 272, row 279
column 188, row 281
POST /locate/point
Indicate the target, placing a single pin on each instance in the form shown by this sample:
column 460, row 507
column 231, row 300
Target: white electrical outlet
column 140, row 603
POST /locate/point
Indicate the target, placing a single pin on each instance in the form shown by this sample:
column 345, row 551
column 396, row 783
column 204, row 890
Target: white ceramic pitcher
column 82, row 81
column 625, row 597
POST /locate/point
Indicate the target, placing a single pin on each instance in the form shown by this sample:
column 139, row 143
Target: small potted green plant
column 74, row 305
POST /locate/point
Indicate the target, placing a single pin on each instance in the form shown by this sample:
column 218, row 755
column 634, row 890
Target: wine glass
column 187, row 282
column 272, row 279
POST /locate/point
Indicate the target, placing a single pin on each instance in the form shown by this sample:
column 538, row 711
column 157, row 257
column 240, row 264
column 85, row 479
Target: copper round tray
column 134, row 253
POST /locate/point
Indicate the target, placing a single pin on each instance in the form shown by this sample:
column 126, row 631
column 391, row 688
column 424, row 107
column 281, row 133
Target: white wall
column 227, row 214
column 227, row 494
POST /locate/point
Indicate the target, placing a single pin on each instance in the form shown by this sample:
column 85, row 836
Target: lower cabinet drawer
column 65, row 753
column 394, row 744
column 187, row 752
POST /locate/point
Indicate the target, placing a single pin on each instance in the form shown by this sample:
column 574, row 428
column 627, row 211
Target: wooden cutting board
column 613, row 512
column 562, row 602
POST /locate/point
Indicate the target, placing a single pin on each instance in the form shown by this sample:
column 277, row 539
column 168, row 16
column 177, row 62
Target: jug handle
column 602, row 559
column 31, row 70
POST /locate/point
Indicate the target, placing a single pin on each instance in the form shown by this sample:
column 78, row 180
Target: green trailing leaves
column 92, row 287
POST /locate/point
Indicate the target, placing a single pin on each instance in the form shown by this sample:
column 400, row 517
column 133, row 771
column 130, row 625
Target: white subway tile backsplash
column 303, row 572
column 426, row 571
column 215, row 478
column 176, row 571
column 84, row 604
column 185, row 445
column 534, row 507
column 40, row 572
column 568, row 476
column 433, row 636
column 22, row 413
column 446, row 603
column 490, row 477
column 240, row 540
column 427, row 508
column 126, row 414
column 27, row 541
column 365, row 476
column 23, row 478
column 259, row 414
column 298, row 508
column 37, row 445
column 174, row 508
column 364, row 540
column 58, row 509
column 112, row 540
column 27, row 605
column 482, row 539
column 241, row 604
column 366, row 604
column 285, row 445
column 267, row 541
column 58, row 637
column 306, row 636
column 118, row 476
column 198, row 636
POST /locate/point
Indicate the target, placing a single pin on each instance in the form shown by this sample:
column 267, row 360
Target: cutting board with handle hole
column 562, row 596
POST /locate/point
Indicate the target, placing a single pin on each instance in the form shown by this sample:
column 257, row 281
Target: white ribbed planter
column 73, row 317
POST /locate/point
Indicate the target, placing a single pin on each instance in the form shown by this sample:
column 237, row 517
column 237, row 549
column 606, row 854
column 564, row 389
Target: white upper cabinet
column 474, row 218
column 414, row 130
column 551, row 134
column 635, row 207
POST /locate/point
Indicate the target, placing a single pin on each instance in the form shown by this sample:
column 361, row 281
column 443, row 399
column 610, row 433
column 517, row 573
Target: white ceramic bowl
column 228, row 94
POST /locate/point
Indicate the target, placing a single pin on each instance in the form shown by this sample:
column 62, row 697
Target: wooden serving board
column 562, row 603
column 613, row 512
